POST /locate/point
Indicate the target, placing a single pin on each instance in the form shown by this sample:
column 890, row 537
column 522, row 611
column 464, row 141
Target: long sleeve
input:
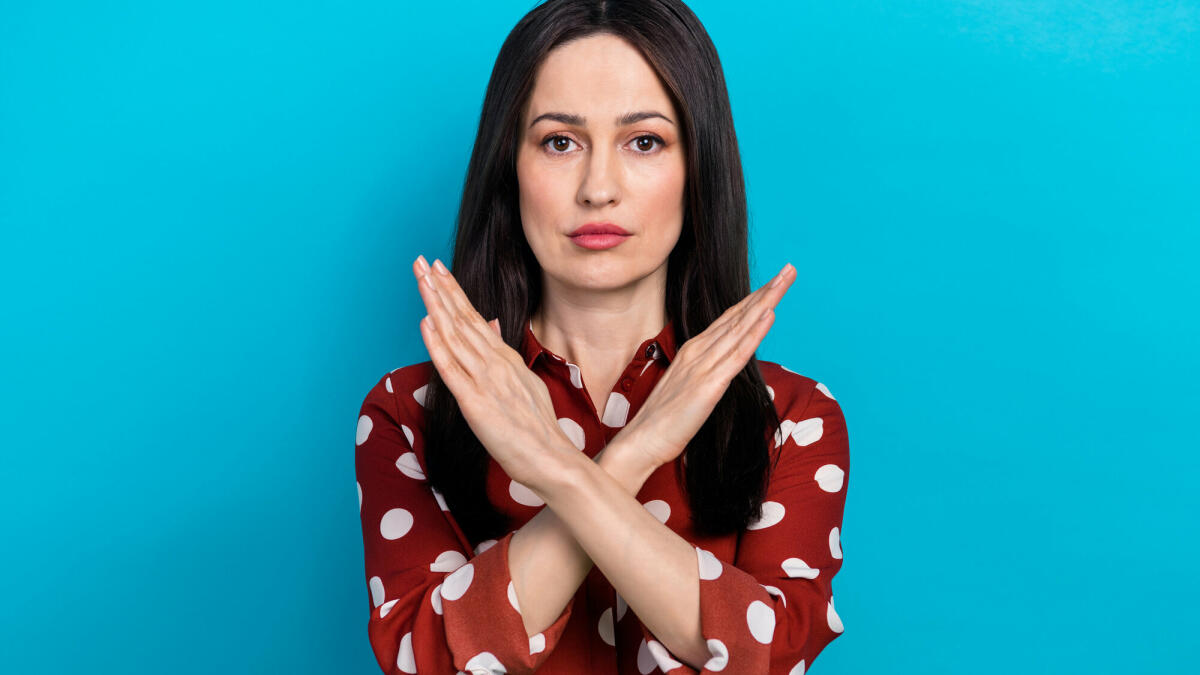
column 771, row 610
column 436, row 606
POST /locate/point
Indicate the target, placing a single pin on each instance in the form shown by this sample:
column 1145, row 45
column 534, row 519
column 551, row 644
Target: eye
column 640, row 143
column 557, row 142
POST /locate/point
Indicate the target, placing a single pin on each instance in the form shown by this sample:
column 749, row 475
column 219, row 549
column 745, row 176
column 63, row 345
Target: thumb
column 495, row 324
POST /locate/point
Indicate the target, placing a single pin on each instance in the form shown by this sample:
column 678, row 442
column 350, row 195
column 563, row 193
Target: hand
column 505, row 404
column 703, row 367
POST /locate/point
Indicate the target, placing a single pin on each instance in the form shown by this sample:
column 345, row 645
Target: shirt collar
column 662, row 344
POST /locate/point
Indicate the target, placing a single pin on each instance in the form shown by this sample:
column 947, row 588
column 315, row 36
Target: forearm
column 653, row 569
column 547, row 563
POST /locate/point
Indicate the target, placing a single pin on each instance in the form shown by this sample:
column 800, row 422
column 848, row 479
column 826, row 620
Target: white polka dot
column 408, row 434
column 409, row 466
column 607, row 632
column 784, row 431
column 576, row 376
column 720, row 655
column 485, row 663
column 573, row 431
column 710, row 566
column 761, row 619
column 435, row 599
column 776, row 592
column 457, row 583
column 771, row 392
column 440, row 499
column 359, row 486
column 795, row 567
column 835, row 543
column 395, row 523
column 825, row 390
column 484, row 545
column 406, row 661
column 788, row 369
column 772, row 513
column 512, row 597
column 835, row 621
column 645, row 660
column 621, row 607
column 448, row 561
column 661, row 656
column 364, row 429
column 797, row 669
column 616, row 410
column 376, row 586
column 659, row 509
column 830, row 477
column 419, row 394
column 807, row 432
column 387, row 607
column 537, row 644
column 523, row 495
column 387, row 384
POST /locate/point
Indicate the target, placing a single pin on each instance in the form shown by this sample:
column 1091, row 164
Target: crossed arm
column 592, row 516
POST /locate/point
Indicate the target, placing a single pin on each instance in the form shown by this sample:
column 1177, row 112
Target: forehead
column 600, row 77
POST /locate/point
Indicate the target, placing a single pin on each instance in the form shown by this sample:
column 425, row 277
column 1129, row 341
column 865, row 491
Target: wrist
column 626, row 464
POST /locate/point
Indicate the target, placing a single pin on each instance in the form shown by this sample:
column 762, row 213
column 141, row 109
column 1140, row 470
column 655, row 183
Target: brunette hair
column 728, row 461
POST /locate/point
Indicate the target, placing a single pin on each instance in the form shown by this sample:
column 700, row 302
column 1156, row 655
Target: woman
column 562, row 489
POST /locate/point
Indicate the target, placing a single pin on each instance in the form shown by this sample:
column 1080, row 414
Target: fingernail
column 779, row 277
column 428, row 280
column 422, row 263
column 437, row 265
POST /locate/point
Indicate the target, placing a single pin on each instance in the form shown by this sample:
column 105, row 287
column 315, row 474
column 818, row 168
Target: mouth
column 599, row 228
column 596, row 236
column 599, row 241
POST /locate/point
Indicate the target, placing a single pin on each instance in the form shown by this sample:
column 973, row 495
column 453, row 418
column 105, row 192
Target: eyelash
column 661, row 144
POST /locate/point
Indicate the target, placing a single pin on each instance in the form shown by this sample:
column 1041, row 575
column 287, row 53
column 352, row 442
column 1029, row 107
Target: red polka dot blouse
column 439, row 605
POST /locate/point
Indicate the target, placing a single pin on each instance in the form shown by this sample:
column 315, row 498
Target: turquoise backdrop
column 208, row 214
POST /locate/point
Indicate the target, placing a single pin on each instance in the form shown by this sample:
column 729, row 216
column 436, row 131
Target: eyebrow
column 579, row 120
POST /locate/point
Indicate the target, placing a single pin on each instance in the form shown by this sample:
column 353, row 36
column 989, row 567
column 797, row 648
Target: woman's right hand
column 699, row 375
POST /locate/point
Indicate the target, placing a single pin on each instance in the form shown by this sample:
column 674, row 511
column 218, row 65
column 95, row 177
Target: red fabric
column 439, row 605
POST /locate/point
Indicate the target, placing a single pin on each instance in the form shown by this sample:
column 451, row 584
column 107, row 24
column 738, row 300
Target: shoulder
column 790, row 390
column 401, row 391
column 812, row 435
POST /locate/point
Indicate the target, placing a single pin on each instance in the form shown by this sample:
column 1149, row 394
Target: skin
column 597, row 307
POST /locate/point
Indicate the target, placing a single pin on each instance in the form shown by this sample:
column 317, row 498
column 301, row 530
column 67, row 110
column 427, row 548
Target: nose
column 601, row 179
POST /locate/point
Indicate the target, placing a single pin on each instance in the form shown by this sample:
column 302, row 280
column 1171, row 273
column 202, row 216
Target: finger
column 443, row 359
column 472, row 326
column 754, row 300
column 456, row 298
column 445, row 322
column 738, row 337
column 733, row 349
column 768, row 298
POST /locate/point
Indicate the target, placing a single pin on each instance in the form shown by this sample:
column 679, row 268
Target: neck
column 598, row 330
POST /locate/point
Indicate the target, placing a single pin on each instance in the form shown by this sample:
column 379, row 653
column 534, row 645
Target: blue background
column 209, row 213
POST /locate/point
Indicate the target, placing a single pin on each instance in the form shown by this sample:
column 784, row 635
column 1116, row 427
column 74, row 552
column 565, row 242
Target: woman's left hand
column 505, row 404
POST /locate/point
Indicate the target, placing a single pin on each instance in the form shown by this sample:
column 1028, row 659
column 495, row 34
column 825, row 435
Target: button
column 650, row 352
column 627, row 383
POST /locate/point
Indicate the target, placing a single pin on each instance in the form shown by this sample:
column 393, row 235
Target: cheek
column 545, row 202
column 661, row 193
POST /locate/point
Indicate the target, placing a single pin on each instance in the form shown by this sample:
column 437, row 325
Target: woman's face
column 578, row 162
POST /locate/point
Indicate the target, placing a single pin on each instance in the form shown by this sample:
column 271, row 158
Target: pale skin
column 596, row 308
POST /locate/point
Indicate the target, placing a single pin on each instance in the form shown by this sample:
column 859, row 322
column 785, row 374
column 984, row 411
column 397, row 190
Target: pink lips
column 597, row 236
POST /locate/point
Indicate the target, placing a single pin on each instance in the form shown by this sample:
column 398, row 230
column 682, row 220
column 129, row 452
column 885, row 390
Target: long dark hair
column 728, row 461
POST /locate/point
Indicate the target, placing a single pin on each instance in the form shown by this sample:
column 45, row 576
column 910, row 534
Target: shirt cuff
column 484, row 629
column 737, row 621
